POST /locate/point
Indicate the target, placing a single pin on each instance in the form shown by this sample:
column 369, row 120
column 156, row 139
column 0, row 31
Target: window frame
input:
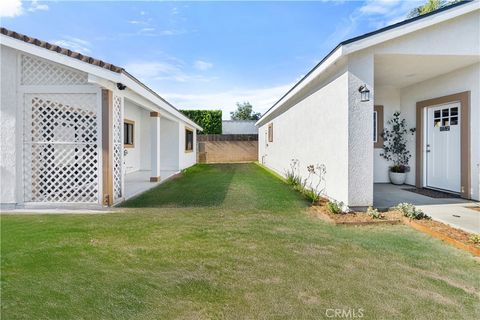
column 132, row 124
column 270, row 132
column 187, row 130
column 378, row 142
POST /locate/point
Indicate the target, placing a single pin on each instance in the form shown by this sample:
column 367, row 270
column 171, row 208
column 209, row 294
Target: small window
column 445, row 113
column 188, row 140
column 454, row 121
column 437, row 114
column 270, row 132
column 128, row 134
column 454, row 111
column 377, row 127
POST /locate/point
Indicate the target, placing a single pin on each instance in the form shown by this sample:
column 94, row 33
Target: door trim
column 464, row 99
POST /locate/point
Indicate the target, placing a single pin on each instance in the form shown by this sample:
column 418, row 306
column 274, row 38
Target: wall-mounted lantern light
column 364, row 92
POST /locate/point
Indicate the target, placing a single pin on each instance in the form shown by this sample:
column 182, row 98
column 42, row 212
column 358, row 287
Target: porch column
column 155, row 146
column 107, row 147
column 360, row 131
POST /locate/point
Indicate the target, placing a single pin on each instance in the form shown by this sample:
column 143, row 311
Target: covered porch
column 151, row 145
column 437, row 95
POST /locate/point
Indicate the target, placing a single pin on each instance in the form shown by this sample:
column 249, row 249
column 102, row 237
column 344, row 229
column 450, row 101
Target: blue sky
column 205, row 54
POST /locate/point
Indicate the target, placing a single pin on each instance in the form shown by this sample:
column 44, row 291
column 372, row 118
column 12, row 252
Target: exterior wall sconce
column 364, row 92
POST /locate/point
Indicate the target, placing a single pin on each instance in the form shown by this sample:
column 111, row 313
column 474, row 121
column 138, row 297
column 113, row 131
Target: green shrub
column 411, row 212
column 372, row 212
column 475, row 238
column 334, row 206
column 209, row 120
column 311, row 195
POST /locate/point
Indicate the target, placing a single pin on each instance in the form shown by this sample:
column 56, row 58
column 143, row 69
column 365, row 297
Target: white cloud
column 10, row 8
column 14, row 8
column 35, row 6
column 374, row 13
column 378, row 6
column 170, row 69
column 261, row 99
column 202, row 65
column 74, row 44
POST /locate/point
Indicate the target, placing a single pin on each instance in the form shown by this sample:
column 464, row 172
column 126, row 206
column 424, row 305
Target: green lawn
column 226, row 241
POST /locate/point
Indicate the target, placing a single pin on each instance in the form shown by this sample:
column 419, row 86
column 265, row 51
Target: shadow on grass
column 198, row 186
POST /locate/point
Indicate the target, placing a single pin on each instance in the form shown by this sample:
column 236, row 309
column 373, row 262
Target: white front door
column 443, row 147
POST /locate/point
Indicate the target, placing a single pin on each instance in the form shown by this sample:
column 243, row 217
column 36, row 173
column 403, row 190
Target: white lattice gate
column 118, row 165
column 61, row 148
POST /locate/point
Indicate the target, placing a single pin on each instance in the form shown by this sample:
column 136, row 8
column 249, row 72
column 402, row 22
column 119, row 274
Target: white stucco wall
column 465, row 79
column 314, row 131
column 169, row 144
column 239, row 127
column 458, row 36
column 360, row 131
column 8, row 127
column 186, row 159
column 138, row 157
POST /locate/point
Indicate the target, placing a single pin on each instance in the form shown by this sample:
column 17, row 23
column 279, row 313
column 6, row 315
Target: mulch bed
column 439, row 230
column 355, row 218
column 432, row 193
column 446, row 233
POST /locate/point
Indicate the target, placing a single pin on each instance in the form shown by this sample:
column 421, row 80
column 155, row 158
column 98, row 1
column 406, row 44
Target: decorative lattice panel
column 117, row 147
column 37, row 71
column 61, row 151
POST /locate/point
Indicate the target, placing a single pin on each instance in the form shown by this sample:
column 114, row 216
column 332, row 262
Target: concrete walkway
column 453, row 211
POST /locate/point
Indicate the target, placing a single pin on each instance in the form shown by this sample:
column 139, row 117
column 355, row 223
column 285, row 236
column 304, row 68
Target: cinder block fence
column 227, row 148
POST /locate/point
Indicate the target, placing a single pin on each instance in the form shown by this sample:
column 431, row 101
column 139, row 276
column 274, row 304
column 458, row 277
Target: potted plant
column 395, row 148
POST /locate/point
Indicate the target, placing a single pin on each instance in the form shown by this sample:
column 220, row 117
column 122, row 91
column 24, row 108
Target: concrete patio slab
column 139, row 181
column 452, row 211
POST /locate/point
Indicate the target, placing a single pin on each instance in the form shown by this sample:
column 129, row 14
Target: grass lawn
column 226, row 241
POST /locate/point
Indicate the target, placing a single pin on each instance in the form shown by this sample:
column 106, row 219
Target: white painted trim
column 58, row 89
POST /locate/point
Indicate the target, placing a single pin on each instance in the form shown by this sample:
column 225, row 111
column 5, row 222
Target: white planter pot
column 397, row 178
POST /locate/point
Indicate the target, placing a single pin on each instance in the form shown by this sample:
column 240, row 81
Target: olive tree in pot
column 395, row 148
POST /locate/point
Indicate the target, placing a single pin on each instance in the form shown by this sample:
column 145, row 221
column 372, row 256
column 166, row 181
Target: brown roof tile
column 53, row 47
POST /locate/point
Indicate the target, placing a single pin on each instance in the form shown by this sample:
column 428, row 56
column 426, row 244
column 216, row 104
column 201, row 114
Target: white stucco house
column 428, row 68
column 77, row 130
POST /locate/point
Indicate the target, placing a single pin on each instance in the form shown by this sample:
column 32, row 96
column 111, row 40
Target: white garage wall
column 169, row 144
column 465, row 79
column 314, row 131
column 9, row 127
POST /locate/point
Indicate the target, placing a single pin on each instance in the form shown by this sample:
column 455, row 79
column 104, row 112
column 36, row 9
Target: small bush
column 475, row 238
column 411, row 212
column 311, row 195
column 292, row 179
column 334, row 206
column 372, row 212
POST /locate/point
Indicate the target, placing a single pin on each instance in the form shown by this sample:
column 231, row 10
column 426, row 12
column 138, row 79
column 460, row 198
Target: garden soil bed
column 446, row 233
column 439, row 230
column 355, row 218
